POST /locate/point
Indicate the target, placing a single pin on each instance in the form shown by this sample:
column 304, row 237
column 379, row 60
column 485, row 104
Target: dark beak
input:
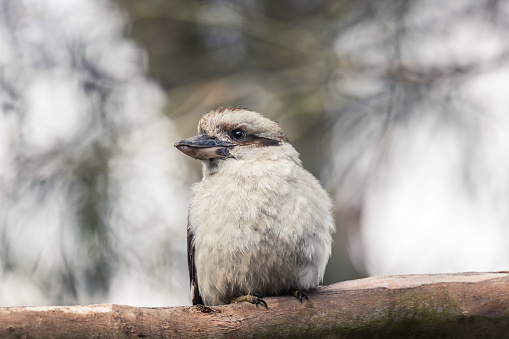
column 203, row 147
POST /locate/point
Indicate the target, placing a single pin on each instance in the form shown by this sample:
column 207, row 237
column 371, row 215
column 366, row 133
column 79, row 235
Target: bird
column 259, row 224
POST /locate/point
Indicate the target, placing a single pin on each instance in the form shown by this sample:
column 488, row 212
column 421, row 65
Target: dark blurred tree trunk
column 444, row 305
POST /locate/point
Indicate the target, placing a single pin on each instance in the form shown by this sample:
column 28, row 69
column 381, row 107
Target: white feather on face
column 261, row 223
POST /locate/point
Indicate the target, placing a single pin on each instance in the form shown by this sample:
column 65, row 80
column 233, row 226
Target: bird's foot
column 253, row 299
column 299, row 294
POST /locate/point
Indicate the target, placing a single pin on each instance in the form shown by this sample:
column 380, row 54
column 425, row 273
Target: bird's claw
column 255, row 299
column 300, row 294
column 258, row 299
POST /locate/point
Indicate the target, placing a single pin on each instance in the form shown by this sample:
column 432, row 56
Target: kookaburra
column 259, row 224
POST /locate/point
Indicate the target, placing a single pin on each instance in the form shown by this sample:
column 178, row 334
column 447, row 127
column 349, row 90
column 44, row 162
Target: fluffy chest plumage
column 256, row 230
column 238, row 220
column 240, row 211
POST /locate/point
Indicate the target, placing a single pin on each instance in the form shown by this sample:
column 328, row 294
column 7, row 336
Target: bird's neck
column 268, row 161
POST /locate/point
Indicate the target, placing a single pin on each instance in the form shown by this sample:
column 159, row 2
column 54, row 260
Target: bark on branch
column 442, row 305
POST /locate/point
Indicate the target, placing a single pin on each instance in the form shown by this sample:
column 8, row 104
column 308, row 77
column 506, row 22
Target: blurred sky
column 399, row 107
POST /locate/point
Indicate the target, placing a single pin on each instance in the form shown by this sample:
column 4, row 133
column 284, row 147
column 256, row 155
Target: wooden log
column 462, row 305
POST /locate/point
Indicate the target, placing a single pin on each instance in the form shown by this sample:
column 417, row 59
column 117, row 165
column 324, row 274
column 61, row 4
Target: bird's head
column 235, row 133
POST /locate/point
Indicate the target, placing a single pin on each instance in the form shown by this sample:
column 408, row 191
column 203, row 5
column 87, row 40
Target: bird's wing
column 195, row 292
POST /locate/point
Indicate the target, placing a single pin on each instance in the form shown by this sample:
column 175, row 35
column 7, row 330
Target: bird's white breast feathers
column 260, row 226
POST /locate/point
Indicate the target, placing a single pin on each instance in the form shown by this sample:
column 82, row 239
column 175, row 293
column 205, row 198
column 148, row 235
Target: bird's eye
column 238, row 134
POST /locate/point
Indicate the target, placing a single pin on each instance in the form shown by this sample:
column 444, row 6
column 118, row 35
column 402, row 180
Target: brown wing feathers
column 195, row 292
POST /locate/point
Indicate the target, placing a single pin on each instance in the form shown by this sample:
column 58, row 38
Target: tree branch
column 458, row 305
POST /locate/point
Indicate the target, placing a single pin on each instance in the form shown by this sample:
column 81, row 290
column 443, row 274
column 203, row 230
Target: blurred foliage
column 89, row 213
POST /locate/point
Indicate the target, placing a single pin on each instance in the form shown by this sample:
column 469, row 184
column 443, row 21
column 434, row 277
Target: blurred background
column 401, row 108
